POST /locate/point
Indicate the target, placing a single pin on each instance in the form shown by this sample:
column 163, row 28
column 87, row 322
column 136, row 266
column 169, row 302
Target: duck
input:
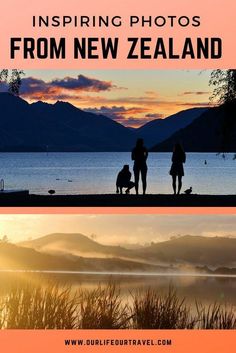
column 188, row 191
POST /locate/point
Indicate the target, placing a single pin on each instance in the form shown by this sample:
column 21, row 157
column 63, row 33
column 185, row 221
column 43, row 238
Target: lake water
column 204, row 289
column 95, row 173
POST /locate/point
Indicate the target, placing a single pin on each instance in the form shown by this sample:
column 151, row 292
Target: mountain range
column 183, row 250
column 159, row 130
column 213, row 131
column 15, row 257
column 63, row 127
column 57, row 127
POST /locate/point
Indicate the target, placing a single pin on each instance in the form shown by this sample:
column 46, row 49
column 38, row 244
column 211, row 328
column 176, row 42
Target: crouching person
column 123, row 180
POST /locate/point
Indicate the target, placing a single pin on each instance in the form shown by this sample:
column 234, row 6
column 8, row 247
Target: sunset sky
column 117, row 229
column 129, row 97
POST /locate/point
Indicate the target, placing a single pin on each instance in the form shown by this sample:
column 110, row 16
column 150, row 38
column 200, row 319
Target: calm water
column 204, row 289
column 89, row 173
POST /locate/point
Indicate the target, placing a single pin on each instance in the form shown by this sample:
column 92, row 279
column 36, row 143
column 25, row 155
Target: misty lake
column 95, row 173
column 203, row 288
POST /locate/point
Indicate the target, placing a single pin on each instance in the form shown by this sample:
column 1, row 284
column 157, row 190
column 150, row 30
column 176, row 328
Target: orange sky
column 117, row 229
column 129, row 97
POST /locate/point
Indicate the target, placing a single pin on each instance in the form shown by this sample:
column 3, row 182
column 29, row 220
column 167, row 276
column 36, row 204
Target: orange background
column 52, row 341
column 217, row 20
column 118, row 210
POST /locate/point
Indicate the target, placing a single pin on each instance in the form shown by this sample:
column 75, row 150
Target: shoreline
column 114, row 200
column 124, row 273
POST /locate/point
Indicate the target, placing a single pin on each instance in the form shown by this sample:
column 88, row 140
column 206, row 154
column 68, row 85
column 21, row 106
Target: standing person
column 177, row 169
column 139, row 156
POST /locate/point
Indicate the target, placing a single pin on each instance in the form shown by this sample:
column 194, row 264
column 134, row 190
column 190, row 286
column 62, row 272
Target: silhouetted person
column 177, row 169
column 123, row 180
column 139, row 156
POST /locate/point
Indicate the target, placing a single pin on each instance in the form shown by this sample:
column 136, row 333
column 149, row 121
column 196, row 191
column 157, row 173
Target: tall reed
column 215, row 316
column 102, row 308
column 153, row 311
column 51, row 307
column 37, row 308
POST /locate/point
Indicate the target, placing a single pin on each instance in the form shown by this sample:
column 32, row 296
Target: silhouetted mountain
column 159, row 130
column 195, row 250
column 57, row 127
column 15, row 257
column 213, row 131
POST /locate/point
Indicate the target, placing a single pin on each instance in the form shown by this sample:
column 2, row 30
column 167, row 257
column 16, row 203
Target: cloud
column 154, row 115
column 134, row 122
column 82, row 83
column 65, row 88
column 122, row 114
column 151, row 93
column 117, row 112
column 100, row 97
column 194, row 104
column 197, row 93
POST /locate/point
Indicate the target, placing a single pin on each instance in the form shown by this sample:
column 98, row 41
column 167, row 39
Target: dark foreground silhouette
column 117, row 200
column 124, row 180
column 139, row 155
column 177, row 169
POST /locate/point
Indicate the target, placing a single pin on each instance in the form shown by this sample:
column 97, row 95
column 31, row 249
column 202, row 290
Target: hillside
column 57, row 127
column 75, row 244
column 14, row 257
column 159, row 130
column 195, row 250
column 192, row 250
column 204, row 134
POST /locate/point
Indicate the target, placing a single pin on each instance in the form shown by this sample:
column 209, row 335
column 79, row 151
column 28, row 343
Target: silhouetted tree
column 224, row 93
column 13, row 79
column 224, row 82
column 4, row 239
column 93, row 236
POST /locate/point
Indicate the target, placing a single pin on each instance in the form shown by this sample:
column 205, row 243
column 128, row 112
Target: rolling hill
column 74, row 244
column 195, row 250
column 191, row 250
column 15, row 257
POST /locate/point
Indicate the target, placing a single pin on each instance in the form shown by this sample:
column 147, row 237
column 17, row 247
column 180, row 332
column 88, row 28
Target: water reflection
column 204, row 289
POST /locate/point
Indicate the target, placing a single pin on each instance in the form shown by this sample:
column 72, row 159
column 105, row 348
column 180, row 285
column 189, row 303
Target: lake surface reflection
column 95, row 173
column 204, row 289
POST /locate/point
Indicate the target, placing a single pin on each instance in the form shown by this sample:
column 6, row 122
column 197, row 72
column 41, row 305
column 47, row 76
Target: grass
column 52, row 307
column 102, row 308
column 153, row 311
column 216, row 317
column 36, row 308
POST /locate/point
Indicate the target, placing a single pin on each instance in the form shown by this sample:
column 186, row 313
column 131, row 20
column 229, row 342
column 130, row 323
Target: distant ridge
column 62, row 127
column 187, row 249
column 58, row 127
column 205, row 134
column 195, row 250
column 159, row 130
column 15, row 257
column 73, row 243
